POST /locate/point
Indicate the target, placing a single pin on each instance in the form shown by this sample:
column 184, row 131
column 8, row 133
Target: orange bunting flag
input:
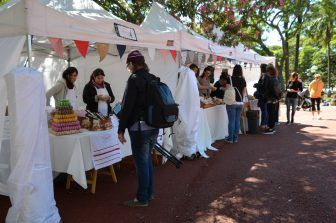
column 164, row 55
column 57, row 46
column 82, row 47
column 173, row 53
column 102, row 49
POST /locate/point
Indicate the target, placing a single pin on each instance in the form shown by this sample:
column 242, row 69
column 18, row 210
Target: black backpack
column 161, row 110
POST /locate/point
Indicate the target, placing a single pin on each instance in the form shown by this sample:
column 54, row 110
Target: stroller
column 304, row 101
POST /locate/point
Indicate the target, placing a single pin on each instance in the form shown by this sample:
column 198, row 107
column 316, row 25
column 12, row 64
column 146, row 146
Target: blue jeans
column 234, row 112
column 264, row 114
column 291, row 102
column 141, row 149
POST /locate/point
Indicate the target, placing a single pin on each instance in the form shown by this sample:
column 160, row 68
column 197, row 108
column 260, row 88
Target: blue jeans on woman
column 141, row 149
column 234, row 112
column 264, row 114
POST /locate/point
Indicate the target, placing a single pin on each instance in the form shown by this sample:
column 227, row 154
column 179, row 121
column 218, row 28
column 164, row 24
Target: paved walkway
column 285, row 177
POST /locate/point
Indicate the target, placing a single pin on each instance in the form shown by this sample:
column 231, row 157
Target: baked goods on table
column 210, row 102
column 64, row 119
column 94, row 121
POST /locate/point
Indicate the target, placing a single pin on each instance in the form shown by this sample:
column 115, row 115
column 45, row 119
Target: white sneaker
column 319, row 117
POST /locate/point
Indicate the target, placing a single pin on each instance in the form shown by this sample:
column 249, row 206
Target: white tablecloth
column 213, row 125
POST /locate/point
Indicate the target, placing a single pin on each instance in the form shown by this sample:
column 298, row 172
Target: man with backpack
column 147, row 106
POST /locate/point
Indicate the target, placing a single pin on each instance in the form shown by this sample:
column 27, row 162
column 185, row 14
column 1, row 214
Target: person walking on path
column 315, row 90
column 292, row 88
column 132, row 118
column 272, row 95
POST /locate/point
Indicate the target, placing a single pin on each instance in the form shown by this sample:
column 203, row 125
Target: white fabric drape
column 30, row 181
column 186, row 95
column 11, row 48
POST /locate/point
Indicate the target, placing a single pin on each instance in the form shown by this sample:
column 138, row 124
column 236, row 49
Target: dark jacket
column 89, row 97
column 295, row 85
column 261, row 88
column 219, row 92
column 134, row 100
column 272, row 90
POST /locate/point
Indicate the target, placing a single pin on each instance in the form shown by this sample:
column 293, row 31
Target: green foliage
column 2, row 2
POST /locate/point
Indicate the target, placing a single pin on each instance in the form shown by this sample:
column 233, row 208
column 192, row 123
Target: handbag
column 230, row 94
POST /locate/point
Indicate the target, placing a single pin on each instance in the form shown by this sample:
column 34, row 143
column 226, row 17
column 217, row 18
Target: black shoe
column 292, row 121
column 269, row 132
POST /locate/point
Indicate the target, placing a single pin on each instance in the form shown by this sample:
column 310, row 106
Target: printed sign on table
column 105, row 149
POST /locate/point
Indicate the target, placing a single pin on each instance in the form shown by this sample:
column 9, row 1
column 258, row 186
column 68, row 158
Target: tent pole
column 29, row 50
column 68, row 52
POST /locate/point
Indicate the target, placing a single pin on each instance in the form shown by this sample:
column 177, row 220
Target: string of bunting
column 102, row 49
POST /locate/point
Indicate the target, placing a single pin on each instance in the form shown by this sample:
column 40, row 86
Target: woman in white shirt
column 65, row 88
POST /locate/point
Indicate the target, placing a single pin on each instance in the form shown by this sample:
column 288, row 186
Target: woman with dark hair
column 203, row 83
column 65, row 87
column 292, row 88
column 234, row 111
column 132, row 118
column 272, row 97
column 97, row 94
column 194, row 68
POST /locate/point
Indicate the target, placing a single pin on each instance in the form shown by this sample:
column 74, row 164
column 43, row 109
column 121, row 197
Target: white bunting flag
column 151, row 53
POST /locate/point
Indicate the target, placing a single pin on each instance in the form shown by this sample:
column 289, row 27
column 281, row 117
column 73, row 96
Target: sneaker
column 269, row 132
column 288, row 123
column 319, row 118
column 134, row 203
column 235, row 141
column 277, row 123
column 228, row 141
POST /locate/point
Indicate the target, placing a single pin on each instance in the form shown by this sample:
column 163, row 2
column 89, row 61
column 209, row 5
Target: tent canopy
column 159, row 20
column 76, row 20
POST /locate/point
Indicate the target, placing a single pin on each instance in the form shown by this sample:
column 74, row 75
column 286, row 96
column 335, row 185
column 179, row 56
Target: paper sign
column 105, row 149
column 125, row 32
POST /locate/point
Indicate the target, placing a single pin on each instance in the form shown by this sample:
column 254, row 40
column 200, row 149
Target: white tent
column 158, row 19
column 76, row 20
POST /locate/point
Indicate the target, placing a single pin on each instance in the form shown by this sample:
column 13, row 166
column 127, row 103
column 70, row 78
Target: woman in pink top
column 315, row 90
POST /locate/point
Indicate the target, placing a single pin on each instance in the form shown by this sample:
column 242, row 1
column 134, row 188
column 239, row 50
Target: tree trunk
column 297, row 53
column 329, row 68
column 285, row 48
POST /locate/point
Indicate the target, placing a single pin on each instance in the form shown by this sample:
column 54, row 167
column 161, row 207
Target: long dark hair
column 237, row 71
column 66, row 76
column 208, row 68
column 96, row 73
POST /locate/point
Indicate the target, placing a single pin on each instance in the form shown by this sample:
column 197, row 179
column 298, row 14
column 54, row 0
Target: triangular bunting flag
column 82, row 47
column 173, row 53
column 214, row 58
column 220, row 59
column 57, row 46
column 121, row 50
column 102, row 49
column 199, row 57
column 191, row 55
column 151, row 53
column 164, row 55
column 184, row 55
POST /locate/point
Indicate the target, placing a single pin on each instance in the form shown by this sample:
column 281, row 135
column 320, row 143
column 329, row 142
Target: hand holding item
column 100, row 97
column 121, row 137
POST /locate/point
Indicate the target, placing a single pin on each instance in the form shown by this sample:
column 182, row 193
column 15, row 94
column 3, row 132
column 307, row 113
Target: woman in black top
column 292, row 89
column 220, row 88
column 272, row 97
column 234, row 111
column 97, row 94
